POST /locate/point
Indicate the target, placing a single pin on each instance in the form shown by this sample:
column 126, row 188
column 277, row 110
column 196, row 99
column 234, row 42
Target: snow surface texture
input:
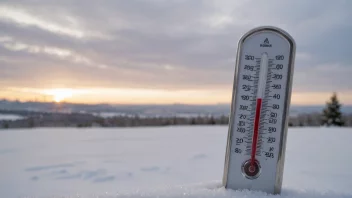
column 170, row 162
column 10, row 117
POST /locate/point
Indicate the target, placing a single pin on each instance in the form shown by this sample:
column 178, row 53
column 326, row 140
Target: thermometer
column 259, row 111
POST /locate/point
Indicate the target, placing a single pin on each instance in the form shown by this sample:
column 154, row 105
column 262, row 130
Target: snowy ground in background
column 161, row 162
column 10, row 117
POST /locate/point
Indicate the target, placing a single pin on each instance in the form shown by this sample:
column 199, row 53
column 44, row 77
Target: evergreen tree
column 332, row 115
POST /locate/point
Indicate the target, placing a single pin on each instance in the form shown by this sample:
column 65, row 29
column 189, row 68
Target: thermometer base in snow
column 261, row 97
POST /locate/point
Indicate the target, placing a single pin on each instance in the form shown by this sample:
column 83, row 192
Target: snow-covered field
column 161, row 162
column 10, row 117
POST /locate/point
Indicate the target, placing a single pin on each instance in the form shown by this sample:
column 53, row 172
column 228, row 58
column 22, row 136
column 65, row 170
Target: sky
column 164, row 51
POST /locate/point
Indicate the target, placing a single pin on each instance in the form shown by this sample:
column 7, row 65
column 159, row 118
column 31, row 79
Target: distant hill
column 144, row 110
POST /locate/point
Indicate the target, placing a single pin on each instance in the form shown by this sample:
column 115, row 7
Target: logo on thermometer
column 266, row 43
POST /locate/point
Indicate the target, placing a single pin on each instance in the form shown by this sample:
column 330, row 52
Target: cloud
column 171, row 45
column 63, row 54
column 21, row 17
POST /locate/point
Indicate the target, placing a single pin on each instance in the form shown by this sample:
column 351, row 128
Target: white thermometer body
column 259, row 110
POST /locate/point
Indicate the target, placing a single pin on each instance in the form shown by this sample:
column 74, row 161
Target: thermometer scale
column 259, row 111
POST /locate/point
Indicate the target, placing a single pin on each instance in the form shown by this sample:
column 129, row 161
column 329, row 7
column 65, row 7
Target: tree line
column 330, row 116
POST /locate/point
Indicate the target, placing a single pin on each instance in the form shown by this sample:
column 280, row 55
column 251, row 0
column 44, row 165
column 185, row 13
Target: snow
column 10, row 117
column 161, row 162
column 109, row 114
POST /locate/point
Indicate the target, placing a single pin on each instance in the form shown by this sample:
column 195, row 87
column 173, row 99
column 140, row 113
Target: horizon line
column 141, row 104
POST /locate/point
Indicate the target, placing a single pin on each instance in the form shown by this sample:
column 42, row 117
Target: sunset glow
column 59, row 94
column 97, row 95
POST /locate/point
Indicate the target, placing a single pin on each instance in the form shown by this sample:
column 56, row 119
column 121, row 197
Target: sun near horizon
column 59, row 94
